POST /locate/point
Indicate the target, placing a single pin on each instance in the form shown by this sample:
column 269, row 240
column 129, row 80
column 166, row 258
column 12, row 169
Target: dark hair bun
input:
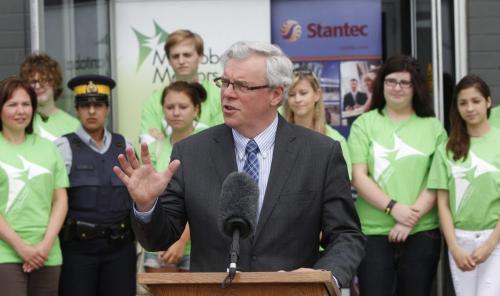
column 201, row 93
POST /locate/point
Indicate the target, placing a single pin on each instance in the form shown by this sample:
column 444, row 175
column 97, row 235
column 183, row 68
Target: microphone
column 237, row 214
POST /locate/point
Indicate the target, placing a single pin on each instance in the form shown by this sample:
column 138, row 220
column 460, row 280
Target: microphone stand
column 234, row 254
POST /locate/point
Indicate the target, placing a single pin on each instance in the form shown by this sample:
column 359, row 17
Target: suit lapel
column 284, row 155
column 222, row 153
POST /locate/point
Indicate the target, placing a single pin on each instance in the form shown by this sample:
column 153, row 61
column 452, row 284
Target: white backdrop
column 139, row 62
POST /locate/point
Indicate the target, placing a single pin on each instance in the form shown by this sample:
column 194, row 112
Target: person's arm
column 56, row 220
column 399, row 233
column 424, row 203
column 482, row 253
column 343, row 240
column 175, row 252
column 369, row 190
column 462, row 259
column 62, row 144
column 160, row 228
column 28, row 253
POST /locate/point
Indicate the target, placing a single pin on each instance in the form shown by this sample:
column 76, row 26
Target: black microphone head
column 238, row 204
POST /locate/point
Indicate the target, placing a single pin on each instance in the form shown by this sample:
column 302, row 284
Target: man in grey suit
column 302, row 177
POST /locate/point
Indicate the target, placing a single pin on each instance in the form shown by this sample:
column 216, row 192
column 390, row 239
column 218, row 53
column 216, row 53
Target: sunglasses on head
column 302, row 71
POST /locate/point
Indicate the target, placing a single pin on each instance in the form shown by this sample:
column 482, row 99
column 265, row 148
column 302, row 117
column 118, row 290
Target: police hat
column 91, row 88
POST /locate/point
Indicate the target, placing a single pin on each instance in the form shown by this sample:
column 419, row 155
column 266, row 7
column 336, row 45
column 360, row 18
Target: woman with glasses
column 392, row 147
column 466, row 174
column 44, row 75
column 304, row 106
column 33, row 200
column 181, row 103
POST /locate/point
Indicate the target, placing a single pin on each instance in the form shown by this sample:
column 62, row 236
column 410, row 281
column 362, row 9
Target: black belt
column 84, row 231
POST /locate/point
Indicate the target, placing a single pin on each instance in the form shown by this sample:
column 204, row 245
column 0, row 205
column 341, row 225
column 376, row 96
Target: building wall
column 14, row 35
column 484, row 42
column 483, row 18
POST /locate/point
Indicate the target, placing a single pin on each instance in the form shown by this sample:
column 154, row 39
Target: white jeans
column 484, row 280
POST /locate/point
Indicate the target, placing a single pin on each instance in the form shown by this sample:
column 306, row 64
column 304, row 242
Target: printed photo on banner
column 356, row 88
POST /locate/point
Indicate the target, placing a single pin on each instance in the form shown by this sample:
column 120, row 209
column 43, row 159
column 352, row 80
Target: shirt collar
column 87, row 139
column 265, row 140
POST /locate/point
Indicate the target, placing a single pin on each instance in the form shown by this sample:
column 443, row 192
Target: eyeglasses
column 238, row 86
column 41, row 82
column 391, row 82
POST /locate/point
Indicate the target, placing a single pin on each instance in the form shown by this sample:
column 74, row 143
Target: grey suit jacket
column 308, row 192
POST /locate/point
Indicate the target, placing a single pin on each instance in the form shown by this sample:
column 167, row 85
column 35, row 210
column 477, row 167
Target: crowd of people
column 75, row 197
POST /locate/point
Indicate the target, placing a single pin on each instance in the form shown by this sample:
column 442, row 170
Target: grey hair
column 279, row 68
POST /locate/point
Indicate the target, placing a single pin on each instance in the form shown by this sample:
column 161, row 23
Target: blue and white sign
column 328, row 29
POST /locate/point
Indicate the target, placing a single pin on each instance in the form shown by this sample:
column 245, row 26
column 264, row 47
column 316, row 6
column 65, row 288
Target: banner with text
column 341, row 42
column 140, row 30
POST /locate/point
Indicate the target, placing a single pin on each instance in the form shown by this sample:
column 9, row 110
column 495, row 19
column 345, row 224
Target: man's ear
column 277, row 95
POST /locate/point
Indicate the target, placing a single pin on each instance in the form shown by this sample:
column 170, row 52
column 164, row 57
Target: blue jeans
column 151, row 260
column 403, row 269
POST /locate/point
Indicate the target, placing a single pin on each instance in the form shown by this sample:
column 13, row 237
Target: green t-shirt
column 473, row 184
column 159, row 153
column 29, row 174
column 58, row 124
column 211, row 112
column 334, row 134
column 495, row 117
column 398, row 156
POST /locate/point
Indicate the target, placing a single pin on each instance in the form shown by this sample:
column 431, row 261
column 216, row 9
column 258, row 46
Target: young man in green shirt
column 184, row 50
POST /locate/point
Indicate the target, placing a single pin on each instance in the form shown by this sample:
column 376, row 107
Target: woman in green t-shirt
column 181, row 103
column 466, row 173
column 391, row 149
column 304, row 106
column 33, row 200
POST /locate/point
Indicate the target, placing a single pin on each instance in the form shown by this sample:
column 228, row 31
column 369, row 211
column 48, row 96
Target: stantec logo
column 291, row 30
column 315, row 30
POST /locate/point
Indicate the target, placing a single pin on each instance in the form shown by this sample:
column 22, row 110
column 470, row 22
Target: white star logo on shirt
column 45, row 134
column 383, row 155
column 462, row 176
column 17, row 179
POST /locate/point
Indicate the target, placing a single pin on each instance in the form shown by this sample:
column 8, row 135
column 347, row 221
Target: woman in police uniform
column 97, row 243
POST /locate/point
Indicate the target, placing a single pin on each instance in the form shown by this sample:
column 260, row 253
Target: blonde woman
column 304, row 106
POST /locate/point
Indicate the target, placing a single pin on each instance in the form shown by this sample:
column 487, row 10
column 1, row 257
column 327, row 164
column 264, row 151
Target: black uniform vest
column 96, row 194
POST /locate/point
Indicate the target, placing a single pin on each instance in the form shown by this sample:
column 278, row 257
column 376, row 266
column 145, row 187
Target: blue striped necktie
column 251, row 165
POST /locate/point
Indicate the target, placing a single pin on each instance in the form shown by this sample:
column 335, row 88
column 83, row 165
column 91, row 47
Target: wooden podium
column 246, row 283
